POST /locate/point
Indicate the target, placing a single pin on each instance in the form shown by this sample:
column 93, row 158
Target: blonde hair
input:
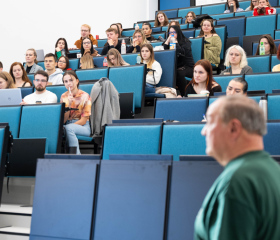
column 10, row 81
column 243, row 61
column 143, row 38
column 193, row 15
column 35, row 54
column 87, row 61
column 152, row 57
column 86, row 25
column 119, row 60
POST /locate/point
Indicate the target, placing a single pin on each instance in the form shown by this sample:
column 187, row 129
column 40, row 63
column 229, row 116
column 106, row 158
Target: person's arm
column 154, row 77
column 248, row 70
column 82, row 121
column 255, row 13
column 269, row 11
column 86, row 112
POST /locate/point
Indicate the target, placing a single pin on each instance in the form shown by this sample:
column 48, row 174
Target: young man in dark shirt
column 113, row 41
column 147, row 29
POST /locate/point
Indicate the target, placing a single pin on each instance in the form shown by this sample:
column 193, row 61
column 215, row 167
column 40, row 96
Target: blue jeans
column 74, row 129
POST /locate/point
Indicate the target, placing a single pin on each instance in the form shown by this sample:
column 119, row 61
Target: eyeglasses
column 172, row 33
column 61, row 62
column 40, row 80
column 86, row 43
column 30, row 55
column 84, row 30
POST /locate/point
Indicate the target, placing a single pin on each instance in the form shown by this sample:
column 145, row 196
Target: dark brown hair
column 273, row 49
column 165, row 23
column 212, row 25
column 66, row 60
column 71, row 73
column 24, row 74
column 66, row 46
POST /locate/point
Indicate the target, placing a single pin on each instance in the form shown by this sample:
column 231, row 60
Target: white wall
column 38, row 24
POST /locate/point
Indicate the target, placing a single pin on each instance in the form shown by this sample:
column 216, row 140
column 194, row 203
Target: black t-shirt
column 190, row 90
column 151, row 38
column 28, row 69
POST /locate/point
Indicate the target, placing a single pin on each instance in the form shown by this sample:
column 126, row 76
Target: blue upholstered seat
column 58, row 90
column 266, row 81
column 244, row 14
column 273, row 103
column 213, row 9
column 271, row 139
column 274, row 61
column 173, row 13
column 259, row 63
column 184, row 11
column 223, row 80
column 131, row 139
column 26, row 91
column 197, row 48
column 31, row 76
column 74, row 63
column 90, row 74
column 258, row 25
column 224, row 15
column 11, row 115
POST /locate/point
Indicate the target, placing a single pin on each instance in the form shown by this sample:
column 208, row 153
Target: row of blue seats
column 210, row 9
column 169, row 138
column 118, row 199
column 193, row 109
column 36, row 121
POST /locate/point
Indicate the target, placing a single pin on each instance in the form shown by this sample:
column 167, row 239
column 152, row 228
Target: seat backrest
column 183, row 109
column 42, row 65
column 265, row 81
column 101, row 42
column 244, row 4
column 98, row 61
column 43, row 121
column 274, row 61
column 224, row 15
column 74, row 63
column 26, row 91
column 162, row 34
column 273, row 103
column 130, row 79
column 183, row 139
column 173, row 13
column 277, row 33
column 271, row 139
column 31, row 76
column 184, row 11
column 188, row 189
column 244, row 14
column 258, row 25
column 167, row 60
column 213, row 9
column 197, row 48
column 130, row 58
column 156, row 29
column 58, row 90
column 11, row 115
column 91, row 74
column 128, row 32
column 278, row 21
column 259, row 63
column 235, row 27
column 176, row 19
column 184, row 25
column 223, row 80
column 188, row 33
column 131, row 139
column 86, row 87
column 274, row 3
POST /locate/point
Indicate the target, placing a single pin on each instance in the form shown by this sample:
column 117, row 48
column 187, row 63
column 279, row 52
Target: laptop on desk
column 10, row 96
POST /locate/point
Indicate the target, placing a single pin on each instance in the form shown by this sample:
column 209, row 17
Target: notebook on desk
column 10, row 96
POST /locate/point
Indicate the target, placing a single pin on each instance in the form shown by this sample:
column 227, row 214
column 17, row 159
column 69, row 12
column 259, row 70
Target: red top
column 268, row 11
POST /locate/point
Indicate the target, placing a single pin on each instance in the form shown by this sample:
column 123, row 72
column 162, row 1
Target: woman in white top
column 235, row 5
column 154, row 70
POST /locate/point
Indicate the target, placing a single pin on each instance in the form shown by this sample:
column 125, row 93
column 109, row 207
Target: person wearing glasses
column 31, row 61
column 184, row 57
column 41, row 95
column 139, row 39
column 85, row 33
column 63, row 63
column 87, row 52
column 253, row 4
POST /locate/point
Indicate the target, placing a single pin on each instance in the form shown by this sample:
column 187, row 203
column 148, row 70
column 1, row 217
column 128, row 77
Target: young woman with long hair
column 161, row 20
column 6, row 80
column 115, row 59
column 61, row 48
column 31, row 61
column 139, row 38
column 19, row 75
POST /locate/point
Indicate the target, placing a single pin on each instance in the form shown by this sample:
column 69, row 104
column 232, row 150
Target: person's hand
column 135, row 42
column 227, row 73
column 110, row 42
column 168, row 40
column 23, row 102
column 98, row 55
column 57, row 49
column 179, row 96
column 70, row 99
column 71, row 49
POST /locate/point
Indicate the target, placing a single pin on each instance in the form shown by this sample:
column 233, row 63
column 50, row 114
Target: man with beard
column 41, row 95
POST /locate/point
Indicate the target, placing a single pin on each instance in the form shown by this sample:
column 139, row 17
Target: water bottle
column 138, row 59
column 105, row 63
column 231, row 8
column 172, row 44
column 262, row 49
column 63, row 52
column 123, row 47
column 136, row 26
column 263, row 106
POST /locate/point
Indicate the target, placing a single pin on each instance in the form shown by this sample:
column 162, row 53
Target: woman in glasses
column 184, row 57
column 31, row 61
column 63, row 63
column 87, row 52
column 139, row 39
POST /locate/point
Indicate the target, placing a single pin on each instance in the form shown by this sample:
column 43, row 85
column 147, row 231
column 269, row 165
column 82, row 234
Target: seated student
column 276, row 68
column 264, row 8
column 86, row 62
column 212, row 42
column 147, row 29
column 115, row 59
column 237, row 86
column 154, row 70
column 202, row 79
column 41, row 95
column 87, row 48
column 63, row 63
column 85, row 32
column 61, row 48
column 113, row 41
column 1, row 66
column 253, row 4
column 268, row 43
column 235, row 5
column 19, row 75
column 121, row 29
column 55, row 75
column 31, row 61
column 6, row 80
column 236, row 61
column 184, row 57
column 161, row 20
column 139, row 39
column 76, row 121
column 190, row 17
column 116, row 26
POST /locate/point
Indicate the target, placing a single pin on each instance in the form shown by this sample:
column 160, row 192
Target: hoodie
column 56, row 77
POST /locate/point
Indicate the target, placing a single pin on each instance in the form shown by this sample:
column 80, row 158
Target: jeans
column 74, row 129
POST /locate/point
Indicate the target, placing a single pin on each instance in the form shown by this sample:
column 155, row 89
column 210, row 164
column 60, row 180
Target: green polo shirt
column 244, row 201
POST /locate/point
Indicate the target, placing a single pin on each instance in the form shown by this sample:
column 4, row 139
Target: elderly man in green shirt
column 244, row 201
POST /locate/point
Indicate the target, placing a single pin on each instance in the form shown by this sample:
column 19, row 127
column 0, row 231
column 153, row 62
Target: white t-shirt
column 46, row 97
